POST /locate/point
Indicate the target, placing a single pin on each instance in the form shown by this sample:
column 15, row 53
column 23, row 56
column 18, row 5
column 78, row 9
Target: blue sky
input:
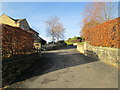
column 37, row 13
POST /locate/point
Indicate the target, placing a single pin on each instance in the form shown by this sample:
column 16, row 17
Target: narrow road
column 67, row 68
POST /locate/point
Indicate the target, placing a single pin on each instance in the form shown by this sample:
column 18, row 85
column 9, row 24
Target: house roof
column 18, row 20
column 42, row 40
column 33, row 30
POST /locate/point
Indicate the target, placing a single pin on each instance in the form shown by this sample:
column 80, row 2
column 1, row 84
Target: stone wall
column 80, row 48
column 105, row 54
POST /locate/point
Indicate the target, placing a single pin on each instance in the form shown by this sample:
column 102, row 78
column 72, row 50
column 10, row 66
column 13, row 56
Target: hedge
column 105, row 34
column 15, row 40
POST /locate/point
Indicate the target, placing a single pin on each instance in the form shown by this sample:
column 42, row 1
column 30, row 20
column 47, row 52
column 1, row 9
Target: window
column 23, row 27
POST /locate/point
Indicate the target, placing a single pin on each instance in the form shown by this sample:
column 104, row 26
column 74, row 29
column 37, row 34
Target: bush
column 106, row 34
column 15, row 39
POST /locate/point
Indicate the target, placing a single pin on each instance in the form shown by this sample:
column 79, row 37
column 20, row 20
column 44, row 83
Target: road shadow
column 92, row 54
column 52, row 61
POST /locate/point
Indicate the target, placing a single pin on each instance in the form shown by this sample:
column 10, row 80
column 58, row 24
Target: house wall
column 6, row 20
column 24, row 25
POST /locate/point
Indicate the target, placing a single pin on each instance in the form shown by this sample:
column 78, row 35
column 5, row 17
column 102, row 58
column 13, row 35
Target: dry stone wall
column 105, row 54
column 80, row 48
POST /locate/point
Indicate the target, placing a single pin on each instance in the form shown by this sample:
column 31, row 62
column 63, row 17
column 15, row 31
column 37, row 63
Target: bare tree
column 97, row 13
column 55, row 28
column 59, row 31
column 108, row 10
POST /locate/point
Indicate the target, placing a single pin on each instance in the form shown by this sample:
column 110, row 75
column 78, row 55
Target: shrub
column 105, row 34
column 15, row 39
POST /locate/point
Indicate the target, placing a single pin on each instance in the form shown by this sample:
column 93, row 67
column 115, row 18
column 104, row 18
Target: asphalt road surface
column 67, row 68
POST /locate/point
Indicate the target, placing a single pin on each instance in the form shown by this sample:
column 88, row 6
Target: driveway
column 67, row 68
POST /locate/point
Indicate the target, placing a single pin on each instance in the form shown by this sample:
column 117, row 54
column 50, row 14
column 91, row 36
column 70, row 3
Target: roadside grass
column 68, row 43
column 81, row 43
